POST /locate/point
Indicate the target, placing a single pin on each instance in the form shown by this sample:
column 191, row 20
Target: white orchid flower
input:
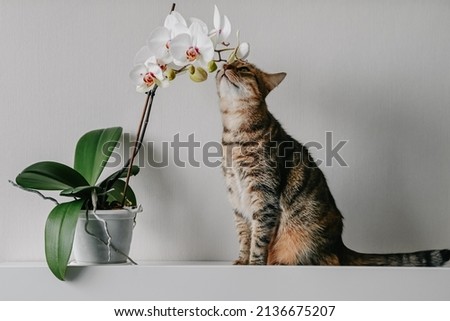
column 158, row 44
column 174, row 18
column 194, row 46
column 148, row 74
column 222, row 29
column 146, row 54
column 201, row 23
column 176, row 24
column 160, row 38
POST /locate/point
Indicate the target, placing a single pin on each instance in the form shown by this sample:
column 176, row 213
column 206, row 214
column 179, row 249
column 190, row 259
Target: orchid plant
column 180, row 48
column 173, row 49
column 83, row 190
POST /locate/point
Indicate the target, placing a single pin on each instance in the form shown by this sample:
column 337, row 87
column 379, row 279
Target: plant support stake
column 140, row 136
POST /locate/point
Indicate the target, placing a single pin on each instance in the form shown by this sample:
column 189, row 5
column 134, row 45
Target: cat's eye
column 243, row 69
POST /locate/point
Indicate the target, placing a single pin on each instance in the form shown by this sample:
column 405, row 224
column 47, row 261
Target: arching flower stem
column 142, row 128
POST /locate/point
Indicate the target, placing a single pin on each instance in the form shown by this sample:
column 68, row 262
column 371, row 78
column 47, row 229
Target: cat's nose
column 228, row 67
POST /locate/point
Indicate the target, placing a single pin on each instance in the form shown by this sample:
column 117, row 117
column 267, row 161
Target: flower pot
column 104, row 237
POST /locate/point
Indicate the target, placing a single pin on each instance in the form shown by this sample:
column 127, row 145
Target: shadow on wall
column 400, row 144
column 181, row 222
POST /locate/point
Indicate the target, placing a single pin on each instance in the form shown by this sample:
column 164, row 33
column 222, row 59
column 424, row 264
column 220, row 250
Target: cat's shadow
column 395, row 146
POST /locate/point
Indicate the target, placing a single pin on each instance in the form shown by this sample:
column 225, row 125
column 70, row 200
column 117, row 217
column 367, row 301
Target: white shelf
column 221, row 281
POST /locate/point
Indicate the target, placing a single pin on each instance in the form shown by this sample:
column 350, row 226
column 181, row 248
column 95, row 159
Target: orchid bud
column 199, row 75
column 243, row 50
column 171, row 74
column 232, row 57
column 212, row 66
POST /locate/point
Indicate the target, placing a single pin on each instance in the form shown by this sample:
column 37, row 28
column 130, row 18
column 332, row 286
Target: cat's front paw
column 241, row 261
column 257, row 261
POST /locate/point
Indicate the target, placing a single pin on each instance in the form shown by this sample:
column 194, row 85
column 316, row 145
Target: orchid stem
column 139, row 137
column 140, row 133
column 182, row 69
column 147, row 116
column 219, row 53
column 224, row 49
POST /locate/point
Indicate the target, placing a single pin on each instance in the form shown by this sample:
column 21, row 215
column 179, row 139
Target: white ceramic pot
column 87, row 247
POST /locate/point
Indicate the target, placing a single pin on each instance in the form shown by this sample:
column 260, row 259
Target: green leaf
column 93, row 151
column 50, row 176
column 81, row 191
column 116, row 194
column 59, row 235
column 134, row 171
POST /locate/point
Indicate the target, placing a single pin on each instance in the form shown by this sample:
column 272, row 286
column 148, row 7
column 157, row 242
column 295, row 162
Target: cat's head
column 242, row 79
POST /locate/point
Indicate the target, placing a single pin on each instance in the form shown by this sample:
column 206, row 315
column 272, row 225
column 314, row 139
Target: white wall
column 375, row 73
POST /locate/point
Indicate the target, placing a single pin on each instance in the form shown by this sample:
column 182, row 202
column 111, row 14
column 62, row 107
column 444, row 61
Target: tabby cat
column 283, row 208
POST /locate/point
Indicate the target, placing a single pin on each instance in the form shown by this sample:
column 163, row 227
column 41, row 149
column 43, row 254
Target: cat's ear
column 273, row 80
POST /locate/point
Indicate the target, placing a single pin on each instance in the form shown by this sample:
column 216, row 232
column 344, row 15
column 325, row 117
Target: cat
column 284, row 211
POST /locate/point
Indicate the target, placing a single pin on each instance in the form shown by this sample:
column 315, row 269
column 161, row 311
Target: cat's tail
column 421, row 258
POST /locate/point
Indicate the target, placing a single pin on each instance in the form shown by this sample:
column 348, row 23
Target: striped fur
column 283, row 208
